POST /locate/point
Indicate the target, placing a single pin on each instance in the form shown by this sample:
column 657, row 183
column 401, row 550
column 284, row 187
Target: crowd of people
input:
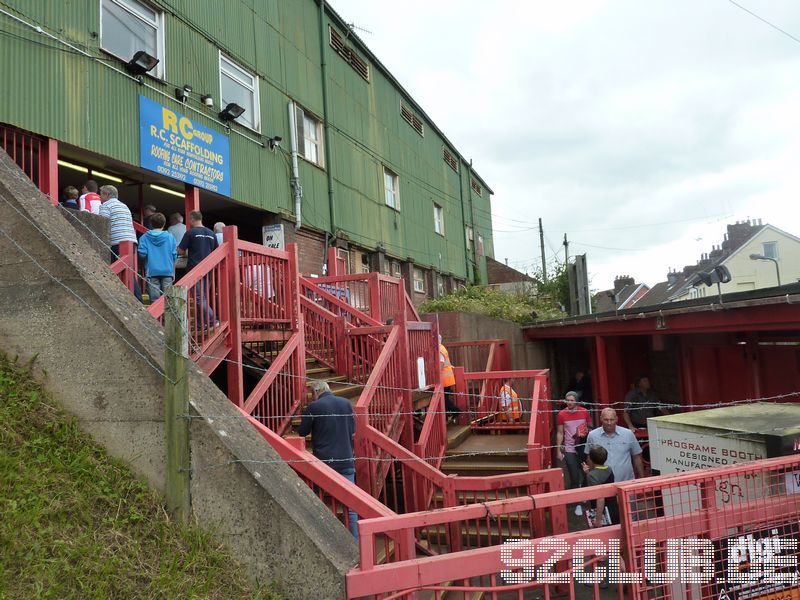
column 167, row 251
column 606, row 453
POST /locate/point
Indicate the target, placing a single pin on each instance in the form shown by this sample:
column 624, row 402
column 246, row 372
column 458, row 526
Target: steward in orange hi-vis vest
column 446, row 368
column 509, row 403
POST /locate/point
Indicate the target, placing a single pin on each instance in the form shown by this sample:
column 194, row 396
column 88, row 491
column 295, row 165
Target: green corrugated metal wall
column 58, row 93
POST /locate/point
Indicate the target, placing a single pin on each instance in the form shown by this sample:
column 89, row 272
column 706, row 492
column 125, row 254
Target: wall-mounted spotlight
column 141, row 63
column 207, row 100
column 182, row 94
column 274, row 142
column 231, row 112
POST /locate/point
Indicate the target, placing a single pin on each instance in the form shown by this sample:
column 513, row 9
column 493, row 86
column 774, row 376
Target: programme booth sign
column 178, row 147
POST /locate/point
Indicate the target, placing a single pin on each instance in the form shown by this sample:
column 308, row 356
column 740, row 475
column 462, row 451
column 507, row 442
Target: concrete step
column 481, row 465
column 457, row 434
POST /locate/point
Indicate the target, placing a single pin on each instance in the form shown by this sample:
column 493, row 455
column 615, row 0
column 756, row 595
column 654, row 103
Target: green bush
column 542, row 302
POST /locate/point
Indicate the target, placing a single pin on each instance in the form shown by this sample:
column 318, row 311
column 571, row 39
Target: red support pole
column 191, row 201
column 333, row 266
column 48, row 169
column 128, row 258
column 375, row 298
column 603, row 393
column 407, row 435
column 297, row 320
column 235, row 375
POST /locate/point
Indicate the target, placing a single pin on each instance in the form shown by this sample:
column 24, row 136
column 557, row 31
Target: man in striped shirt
column 121, row 227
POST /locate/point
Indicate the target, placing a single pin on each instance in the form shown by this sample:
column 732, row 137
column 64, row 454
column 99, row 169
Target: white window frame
column 300, row 117
column 772, row 244
column 396, row 269
column 469, row 234
column 421, row 280
column 160, row 70
column 239, row 73
column 438, row 219
column 395, row 191
column 439, row 285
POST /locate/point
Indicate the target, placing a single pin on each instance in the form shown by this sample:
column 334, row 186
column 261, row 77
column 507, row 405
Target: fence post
column 176, row 402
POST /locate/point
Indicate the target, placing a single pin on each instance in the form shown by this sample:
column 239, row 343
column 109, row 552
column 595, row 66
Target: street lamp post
column 777, row 268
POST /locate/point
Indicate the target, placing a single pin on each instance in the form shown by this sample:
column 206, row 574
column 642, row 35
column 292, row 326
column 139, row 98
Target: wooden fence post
column 176, row 402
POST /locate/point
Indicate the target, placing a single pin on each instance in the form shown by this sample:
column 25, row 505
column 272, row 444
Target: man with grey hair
column 331, row 422
column 120, row 226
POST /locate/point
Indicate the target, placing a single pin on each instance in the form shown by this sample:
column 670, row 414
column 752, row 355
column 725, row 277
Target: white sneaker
column 578, row 510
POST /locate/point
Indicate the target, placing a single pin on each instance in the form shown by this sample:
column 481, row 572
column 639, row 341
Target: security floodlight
column 717, row 275
column 141, row 63
column 231, row 112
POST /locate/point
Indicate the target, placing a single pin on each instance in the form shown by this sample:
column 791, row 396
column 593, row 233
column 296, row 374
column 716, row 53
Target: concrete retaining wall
column 101, row 356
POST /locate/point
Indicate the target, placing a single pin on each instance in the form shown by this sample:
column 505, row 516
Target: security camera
column 207, row 100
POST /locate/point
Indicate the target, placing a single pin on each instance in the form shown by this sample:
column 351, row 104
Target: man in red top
column 573, row 424
column 90, row 199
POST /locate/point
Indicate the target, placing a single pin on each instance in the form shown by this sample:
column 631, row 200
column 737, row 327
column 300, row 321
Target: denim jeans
column 204, row 314
column 158, row 285
column 350, row 474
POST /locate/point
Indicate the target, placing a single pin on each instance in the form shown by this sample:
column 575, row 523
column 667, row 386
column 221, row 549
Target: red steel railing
column 281, row 392
column 423, row 343
column 324, row 334
column 125, row 267
column 266, row 289
column 695, row 505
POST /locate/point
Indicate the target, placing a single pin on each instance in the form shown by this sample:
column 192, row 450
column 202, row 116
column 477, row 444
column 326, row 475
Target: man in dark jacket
column 197, row 243
column 331, row 422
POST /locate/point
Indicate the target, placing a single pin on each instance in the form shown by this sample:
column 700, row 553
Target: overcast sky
column 639, row 128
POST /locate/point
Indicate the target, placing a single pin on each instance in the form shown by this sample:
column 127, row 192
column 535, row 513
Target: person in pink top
column 573, row 424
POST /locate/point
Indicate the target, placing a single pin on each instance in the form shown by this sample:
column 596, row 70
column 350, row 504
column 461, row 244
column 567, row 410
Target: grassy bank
column 75, row 523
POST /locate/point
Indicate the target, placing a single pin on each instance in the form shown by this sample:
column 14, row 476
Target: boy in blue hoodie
column 158, row 248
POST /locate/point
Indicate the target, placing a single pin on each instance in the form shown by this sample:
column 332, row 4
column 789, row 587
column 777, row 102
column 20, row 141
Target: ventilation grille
column 450, row 159
column 359, row 64
column 412, row 119
column 476, row 186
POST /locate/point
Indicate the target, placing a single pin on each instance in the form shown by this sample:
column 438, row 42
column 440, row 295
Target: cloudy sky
column 638, row 128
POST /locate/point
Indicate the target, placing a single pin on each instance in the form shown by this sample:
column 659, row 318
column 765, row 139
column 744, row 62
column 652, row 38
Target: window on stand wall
column 438, row 219
column 439, row 286
column 770, row 249
column 391, row 187
column 396, row 270
column 241, row 87
column 309, row 136
column 127, row 26
column 470, row 237
column 419, row 281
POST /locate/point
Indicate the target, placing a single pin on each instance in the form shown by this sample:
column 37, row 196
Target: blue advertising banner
column 174, row 145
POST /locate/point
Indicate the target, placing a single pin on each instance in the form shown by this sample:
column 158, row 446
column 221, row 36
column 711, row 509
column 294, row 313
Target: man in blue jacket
column 331, row 422
column 158, row 248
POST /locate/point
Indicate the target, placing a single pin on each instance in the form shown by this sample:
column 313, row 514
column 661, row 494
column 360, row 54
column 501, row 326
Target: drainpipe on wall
column 464, row 215
column 294, row 182
column 326, row 128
